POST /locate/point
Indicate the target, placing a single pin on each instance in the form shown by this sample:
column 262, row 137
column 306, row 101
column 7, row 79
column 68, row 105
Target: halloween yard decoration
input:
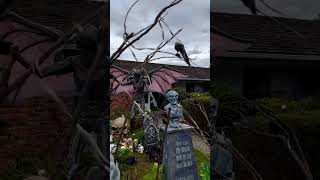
column 92, row 117
column 178, row 156
column 173, row 109
column 219, row 142
column 144, row 80
column 180, row 50
column 142, row 83
column 89, row 70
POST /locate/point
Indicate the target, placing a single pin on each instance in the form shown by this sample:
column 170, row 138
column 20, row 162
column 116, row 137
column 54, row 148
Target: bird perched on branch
column 179, row 47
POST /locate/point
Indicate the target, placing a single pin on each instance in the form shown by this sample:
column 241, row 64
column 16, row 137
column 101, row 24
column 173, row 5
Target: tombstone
column 151, row 138
column 179, row 161
column 151, row 133
column 221, row 159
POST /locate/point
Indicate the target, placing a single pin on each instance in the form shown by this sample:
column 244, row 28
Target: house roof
column 266, row 36
column 194, row 73
column 58, row 14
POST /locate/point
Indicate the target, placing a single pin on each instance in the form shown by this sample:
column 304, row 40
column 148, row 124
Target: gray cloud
column 192, row 16
column 301, row 9
column 194, row 51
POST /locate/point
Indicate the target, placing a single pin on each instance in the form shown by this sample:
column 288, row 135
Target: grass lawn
column 144, row 167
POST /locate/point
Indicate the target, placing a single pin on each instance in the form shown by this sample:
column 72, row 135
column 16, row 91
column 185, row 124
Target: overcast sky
column 190, row 15
column 301, row 9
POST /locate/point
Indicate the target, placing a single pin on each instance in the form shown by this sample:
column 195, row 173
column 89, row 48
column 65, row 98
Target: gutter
column 268, row 56
column 193, row 79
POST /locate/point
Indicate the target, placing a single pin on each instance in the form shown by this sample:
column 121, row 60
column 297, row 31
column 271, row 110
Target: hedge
column 191, row 105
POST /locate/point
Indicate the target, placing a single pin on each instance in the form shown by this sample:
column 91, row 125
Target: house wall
column 181, row 85
column 230, row 77
column 33, row 128
column 282, row 84
column 288, row 79
column 195, row 86
column 201, row 87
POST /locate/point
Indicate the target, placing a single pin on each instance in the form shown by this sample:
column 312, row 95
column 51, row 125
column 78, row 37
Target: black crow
column 180, row 48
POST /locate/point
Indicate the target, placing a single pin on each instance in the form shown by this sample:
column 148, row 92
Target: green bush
column 274, row 104
column 191, row 105
column 199, row 94
column 123, row 154
column 137, row 134
column 182, row 94
column 310, row 103
column 221, row 91
column 270, row 155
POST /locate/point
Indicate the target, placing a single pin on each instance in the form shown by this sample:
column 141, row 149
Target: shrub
column 275, row 104
column 123, row 154
column 191, row 105
column 199, row 94
column 310, row 103
column 182, row 94
column 270, row 155
column 137, row 134
column 221, row 91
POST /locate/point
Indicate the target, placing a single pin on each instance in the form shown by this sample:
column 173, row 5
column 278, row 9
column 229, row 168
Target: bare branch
column 125, row 19
column 124, row 46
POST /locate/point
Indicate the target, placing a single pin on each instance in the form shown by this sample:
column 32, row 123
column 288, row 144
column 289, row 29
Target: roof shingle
column 59, row 14
column 192, row 72
column 268, row 36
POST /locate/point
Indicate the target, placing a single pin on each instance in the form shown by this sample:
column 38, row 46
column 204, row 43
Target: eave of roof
column 269, row 37
column 197, row 73
column 268, row 56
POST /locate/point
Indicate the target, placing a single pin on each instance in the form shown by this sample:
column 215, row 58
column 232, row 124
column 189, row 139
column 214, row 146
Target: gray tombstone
column 151, row 138
column 179, row 162
column 151, row 133
column 220, row 157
